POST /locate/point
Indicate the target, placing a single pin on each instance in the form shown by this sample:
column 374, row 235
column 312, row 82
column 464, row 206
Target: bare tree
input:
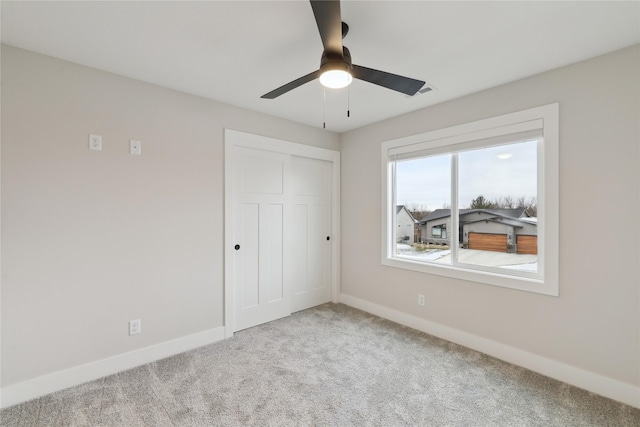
column 419, row 211
column 506, row 202
column 531, row 206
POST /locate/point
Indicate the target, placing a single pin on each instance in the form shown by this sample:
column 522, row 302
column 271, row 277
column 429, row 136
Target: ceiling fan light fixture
column 336, row 79
column 335, row 75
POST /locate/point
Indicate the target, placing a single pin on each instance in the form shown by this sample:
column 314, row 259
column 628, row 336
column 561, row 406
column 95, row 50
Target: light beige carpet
column 328, row 366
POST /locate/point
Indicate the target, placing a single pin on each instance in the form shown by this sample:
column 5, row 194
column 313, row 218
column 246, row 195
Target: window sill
column 522, row 281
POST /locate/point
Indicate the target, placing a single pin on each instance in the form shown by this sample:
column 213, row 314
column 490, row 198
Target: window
column 492, row 191
column 439, row 231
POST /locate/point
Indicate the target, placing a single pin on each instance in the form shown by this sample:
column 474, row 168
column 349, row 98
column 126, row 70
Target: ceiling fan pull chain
column 348, row 101
column 324, row 108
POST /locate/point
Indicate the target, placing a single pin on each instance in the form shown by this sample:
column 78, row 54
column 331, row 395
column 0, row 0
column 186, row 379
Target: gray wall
column 595, row 322
column 92, row 239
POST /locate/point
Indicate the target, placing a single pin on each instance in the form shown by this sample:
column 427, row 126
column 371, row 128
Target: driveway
column 472, row 256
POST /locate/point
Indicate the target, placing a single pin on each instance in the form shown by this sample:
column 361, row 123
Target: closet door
column 311, row 232
column 262, row 245
column 280, row 248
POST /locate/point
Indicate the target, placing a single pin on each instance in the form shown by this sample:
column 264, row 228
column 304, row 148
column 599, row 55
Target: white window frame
column 543, row 120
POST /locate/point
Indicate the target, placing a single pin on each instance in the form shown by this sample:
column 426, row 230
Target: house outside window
column 492, row 189
column 406, row 225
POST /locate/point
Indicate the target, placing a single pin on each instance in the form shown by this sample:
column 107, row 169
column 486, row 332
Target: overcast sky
column 426, row 181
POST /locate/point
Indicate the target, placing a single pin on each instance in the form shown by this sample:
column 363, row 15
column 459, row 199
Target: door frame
column 232, row 139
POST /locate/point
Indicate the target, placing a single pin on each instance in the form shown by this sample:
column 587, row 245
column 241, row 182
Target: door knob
column 236, row 247
column 328, row 238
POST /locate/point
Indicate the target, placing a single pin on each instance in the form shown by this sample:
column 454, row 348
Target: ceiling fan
column 336, row 70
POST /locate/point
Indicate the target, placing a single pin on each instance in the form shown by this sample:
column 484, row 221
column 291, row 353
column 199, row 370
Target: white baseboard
column 36, row 387
column 604, row 386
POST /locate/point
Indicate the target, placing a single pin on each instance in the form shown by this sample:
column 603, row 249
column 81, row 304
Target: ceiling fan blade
column 395, row 82
column 291, row 85
column 327, row 14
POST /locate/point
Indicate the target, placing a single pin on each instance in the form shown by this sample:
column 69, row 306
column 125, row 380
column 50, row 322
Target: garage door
column 527, row 245
column 488, row 242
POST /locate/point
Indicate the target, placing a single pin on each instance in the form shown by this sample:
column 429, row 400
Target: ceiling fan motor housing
column 331, row 61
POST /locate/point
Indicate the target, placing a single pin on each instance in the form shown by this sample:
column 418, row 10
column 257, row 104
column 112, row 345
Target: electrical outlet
column 421, row 300
column 135, row 326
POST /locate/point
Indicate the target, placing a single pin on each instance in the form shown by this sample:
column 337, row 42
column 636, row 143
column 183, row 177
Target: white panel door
column 311, row 239
column 261, row 236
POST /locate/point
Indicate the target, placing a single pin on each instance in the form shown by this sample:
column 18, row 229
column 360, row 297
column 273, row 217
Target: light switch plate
column 95, row 142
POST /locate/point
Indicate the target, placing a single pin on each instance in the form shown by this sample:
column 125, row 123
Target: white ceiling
column 236, row 51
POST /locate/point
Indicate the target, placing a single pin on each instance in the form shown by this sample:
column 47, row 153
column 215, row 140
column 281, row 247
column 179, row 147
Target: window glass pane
column 423, row 185
column 497, row 200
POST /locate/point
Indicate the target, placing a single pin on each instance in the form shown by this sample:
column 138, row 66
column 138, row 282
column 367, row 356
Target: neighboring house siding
column 501, row 228
column 405, row 224
column 488, row 227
